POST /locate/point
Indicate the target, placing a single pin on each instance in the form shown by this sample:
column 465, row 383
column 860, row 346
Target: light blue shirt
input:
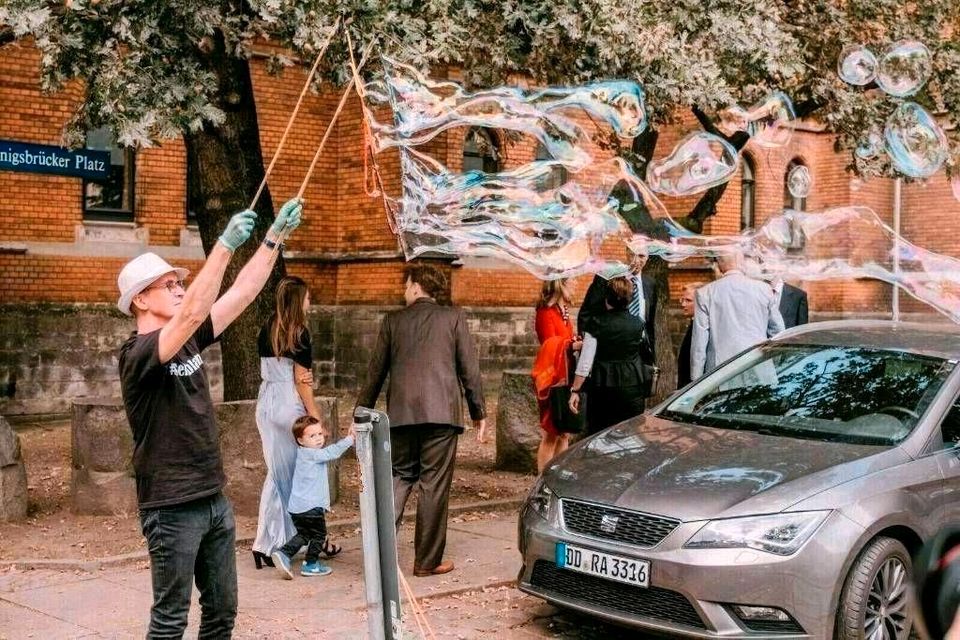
column 310, row 486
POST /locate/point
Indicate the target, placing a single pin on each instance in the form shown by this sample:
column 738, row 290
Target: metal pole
column 386, row 522
column 368, row 530
column 379, row 529
column 896, row 248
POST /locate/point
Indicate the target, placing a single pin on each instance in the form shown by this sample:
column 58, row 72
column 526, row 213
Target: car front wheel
column 874, row 603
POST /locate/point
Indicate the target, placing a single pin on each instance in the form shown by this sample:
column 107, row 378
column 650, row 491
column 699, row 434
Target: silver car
column 779, row 496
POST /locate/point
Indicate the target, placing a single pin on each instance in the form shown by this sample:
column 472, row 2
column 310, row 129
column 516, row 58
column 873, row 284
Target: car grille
column 654, row 603
column 632, row 527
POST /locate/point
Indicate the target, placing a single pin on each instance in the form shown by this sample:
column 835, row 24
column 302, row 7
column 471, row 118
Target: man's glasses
column 169, row 285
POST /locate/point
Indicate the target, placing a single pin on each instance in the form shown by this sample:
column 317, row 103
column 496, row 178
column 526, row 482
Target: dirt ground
column 52, row 531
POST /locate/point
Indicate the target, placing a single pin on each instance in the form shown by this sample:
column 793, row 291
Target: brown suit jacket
column 428, row 352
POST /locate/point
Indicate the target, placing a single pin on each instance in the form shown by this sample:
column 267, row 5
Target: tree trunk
column 224, row 169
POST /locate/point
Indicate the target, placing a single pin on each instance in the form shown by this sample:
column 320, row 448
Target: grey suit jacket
column 731, row 314
column 428, row 353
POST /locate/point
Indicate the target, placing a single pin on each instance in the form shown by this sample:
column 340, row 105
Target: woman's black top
column 302, row 353
column 620, row 347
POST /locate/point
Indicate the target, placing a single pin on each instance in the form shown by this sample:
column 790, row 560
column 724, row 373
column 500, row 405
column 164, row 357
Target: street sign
column 42, row 158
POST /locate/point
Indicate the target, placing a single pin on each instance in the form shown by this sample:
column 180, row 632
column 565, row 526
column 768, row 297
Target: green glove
column 288, row 217
column 238, row 229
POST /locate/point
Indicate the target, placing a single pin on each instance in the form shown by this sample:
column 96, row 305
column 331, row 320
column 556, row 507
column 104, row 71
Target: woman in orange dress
column 557, row 339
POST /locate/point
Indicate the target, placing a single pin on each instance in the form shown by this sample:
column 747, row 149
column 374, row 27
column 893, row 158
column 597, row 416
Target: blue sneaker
column 282, row 563
column 315, row 569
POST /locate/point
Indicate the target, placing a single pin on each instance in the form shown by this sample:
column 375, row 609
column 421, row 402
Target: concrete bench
column 102, row 451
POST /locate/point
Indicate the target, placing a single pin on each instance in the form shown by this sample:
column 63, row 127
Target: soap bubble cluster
column 912, row 138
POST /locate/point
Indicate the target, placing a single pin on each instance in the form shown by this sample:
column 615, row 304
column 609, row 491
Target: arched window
column 557, row 175
column 480, row 152
column 791, row 201
column 748, row 194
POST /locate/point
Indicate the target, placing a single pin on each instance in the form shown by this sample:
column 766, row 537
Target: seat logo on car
column 608, row 523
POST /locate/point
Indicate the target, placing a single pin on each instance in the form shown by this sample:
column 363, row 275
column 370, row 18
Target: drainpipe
column 897, row 184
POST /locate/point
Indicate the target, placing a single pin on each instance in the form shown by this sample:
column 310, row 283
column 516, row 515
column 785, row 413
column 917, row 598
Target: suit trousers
column 423, row 456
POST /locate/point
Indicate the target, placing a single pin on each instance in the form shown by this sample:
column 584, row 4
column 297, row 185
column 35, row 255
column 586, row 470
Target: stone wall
column 51, row 355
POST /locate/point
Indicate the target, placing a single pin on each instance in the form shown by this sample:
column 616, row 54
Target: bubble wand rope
column 368, row 153
column 296, row 108
column 323, row 142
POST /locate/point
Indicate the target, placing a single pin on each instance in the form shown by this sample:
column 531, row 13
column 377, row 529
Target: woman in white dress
column 286, row 393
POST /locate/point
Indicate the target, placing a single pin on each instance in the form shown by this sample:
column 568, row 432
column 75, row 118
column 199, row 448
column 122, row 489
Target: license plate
column 604, row 565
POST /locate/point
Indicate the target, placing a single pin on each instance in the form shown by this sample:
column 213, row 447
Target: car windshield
column 842, row 394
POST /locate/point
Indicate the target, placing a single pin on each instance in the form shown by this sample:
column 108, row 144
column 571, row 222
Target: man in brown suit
column 428, row 352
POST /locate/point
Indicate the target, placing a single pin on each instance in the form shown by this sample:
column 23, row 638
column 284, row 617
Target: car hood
column 691, row 472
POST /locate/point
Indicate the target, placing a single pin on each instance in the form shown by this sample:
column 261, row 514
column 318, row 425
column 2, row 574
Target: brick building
column 63, row 239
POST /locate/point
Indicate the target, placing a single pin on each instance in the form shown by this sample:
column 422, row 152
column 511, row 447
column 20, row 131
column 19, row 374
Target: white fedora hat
column 140, row 273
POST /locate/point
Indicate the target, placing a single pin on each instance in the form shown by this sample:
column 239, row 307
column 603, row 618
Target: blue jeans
column 187, row 542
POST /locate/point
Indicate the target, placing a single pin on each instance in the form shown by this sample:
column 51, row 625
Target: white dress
column 278, row 406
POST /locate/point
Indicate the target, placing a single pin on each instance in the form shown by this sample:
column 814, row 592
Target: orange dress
column 555, row 334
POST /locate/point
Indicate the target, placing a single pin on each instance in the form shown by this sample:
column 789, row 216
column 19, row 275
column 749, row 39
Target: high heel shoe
column 261, row 559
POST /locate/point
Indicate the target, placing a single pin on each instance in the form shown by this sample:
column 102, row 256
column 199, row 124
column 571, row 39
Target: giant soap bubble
column 845, row 242
column 857, row 65
column 511, row 215
column 699, row 161
column 915, row 142
column 904, row 68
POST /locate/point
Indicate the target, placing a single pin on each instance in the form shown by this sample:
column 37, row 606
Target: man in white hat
column 187, row 521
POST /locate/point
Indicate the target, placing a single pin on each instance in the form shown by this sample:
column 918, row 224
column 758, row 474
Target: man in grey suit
column 793, row 303
column 731, row 314
column 428, row 353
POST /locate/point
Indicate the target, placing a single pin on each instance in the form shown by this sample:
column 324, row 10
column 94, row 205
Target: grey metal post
column 368, row 530
column 378, row 523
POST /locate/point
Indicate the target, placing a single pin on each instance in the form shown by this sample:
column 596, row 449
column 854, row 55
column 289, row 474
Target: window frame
column 493, row 157
column 748, row 185
column 109, row 214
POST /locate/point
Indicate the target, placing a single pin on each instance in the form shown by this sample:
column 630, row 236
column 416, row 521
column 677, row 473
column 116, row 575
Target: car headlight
column 540, row 498
column 781, row 533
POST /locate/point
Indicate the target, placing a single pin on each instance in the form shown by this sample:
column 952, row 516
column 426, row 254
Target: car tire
column 877, row 586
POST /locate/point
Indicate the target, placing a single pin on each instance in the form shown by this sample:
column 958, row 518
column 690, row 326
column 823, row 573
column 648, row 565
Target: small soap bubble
column 870, row 146
column 799, row 181
column 700, row 161
column 955, row 187
column 904, row 68
column 770, row 121
column 916, row 144
column 857, row 65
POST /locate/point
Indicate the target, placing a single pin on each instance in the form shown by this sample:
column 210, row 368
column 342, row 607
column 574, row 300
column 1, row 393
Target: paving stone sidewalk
column 114, row 602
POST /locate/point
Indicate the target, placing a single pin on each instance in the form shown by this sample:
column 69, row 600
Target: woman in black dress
column 618, row 384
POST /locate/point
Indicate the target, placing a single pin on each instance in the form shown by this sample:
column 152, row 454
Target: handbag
column 565, row 420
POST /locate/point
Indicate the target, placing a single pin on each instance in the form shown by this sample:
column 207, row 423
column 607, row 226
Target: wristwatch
column 273, row 245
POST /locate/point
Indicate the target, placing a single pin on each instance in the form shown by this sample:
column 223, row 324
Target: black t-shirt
column 176, row 453
column 302, row 353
